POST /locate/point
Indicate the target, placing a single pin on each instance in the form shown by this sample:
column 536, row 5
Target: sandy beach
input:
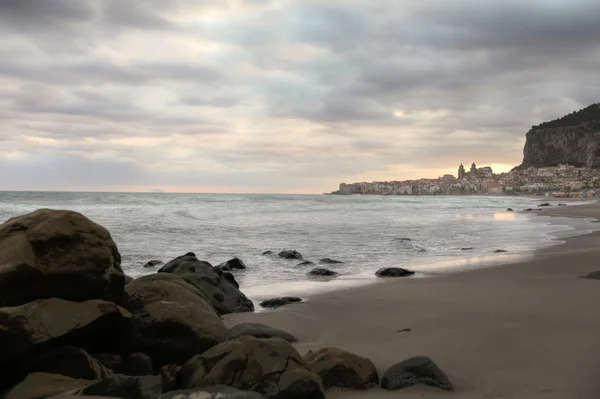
column 520, row 330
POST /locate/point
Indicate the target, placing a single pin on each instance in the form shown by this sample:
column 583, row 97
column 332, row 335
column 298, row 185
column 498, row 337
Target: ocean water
column 426, row 234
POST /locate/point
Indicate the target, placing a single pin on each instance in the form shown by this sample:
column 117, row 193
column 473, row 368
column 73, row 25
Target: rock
column 128, row 280
column 38, row 326
column 290, row 254
column 230, row 277
column 545, row 204
column 213, row 392
column 330, row 261
column 306, row 263
column 153, row 263
column 561, row 204
column 269, row 366
column 319, row 271
column 528, row 210
column 467, row 249
column 593, row 275
column 43, row 385
column 498, row 251
column 220, row 288
column 268, row 253
column 125, row 386
column 57, row 254
column 169, row 376
column 135, row 364
column 277, row 302
column 338, row 368
column 509, row 210
column 258, row 330
column 172, row 320
column 416, row 370
column 235, row 263
column 393, row 272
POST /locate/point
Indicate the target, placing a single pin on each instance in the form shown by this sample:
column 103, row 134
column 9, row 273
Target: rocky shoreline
column 73, row 325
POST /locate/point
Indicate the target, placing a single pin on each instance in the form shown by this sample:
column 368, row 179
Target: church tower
column 473, row 170
column 461, row 171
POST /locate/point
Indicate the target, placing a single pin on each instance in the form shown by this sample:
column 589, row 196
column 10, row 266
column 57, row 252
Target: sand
column 521, row 330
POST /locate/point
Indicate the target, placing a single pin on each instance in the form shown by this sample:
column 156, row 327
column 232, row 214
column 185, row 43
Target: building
column 473, row 170
column 461, row 171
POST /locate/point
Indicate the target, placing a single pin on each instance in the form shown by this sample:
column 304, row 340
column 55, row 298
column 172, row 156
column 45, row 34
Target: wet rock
column 170, row 377
column 393, row 272
column 509, row 210
column 278, row 302
column 213, row 392
column 593, row 275
column 338, row 368
column 268, row 253
column 467, row 249
column 153, row 263
column 416, row 370
column 58, row 254
column 258, row 330
column 319, row 271
column 135, row 364
column 528, row 210
column 306, row 263
column 220, row 288
column 125, row 386
column 330, row 261
column 498, row 251
column 235, row 263
column 269, row 366
column 290, row 254
column 44, row 385
column 545, row 204
column 172, row 320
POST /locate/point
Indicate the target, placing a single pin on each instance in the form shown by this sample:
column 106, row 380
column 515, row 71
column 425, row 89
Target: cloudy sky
column 281, row 96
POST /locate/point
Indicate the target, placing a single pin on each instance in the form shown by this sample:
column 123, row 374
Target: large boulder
column 125, row 386
column 44, row 385
column 290, row 254
column 57, row 254
column 338, row 368
column 258, row 330
column 274, row 303
column 235, row 263
column 393, row 272
column 269, row 366
column 172, row 320
column 218, row 286
column 214, row 392
column 416, row 370
column 135, row 364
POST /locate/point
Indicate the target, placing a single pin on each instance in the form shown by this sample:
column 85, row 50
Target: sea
column 428, row 234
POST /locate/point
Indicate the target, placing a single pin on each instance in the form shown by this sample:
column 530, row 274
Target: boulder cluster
column 72, row 325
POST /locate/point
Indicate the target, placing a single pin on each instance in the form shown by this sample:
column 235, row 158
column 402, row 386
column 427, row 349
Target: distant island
column 561, row 157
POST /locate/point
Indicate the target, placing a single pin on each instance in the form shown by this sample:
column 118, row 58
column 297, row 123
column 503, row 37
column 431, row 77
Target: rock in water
column 269, row 366
column 153, row 263
column 258, row 330
column 212, row 282
column 277, row 302
column 545, row 204
column 306, row 263
column 593, row 275
column 338, row 368
column 509, row 210
column 290, row 254
column 319, row 271
column 330, row 261
column 268, row 253
column 44, row 385
column 235, row 263
column 467, row 249
column 213, row 392
column 124, row 386
column 499, row 251
column 57, row 254
column 393, row 272
column 416, row 370
column 172, row 320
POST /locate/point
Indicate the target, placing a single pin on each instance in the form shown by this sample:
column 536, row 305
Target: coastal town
column 560, row 181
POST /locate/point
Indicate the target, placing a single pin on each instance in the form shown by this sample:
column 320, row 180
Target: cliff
column 573, row 139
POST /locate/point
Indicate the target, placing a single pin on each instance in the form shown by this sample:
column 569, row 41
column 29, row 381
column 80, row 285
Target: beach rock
column 498, row 251
column 278, row 302
column 57, row 254
column 330, row 261
column 172, row 320
column 545, row 204
column 306, row 263
column 268, row 253
column 235, row 263
column 269, row 366
column 41, row 325
column 467, row 249
column 135, row 364
column 319, row 271
column 258, row 330
column 593, row 275
column 416, row 370
column 220, row 288
column 169, row 376
column 509, row 210
column 338, row 368
column 290, row 254
column 393, row 272
column 153, row 263
column 128, row 280
column 44, row 385
column 125, row 386
column 213, row 392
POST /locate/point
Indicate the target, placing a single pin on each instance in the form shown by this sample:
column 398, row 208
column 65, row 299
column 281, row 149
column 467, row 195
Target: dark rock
column 500, row 251
column 416, row 370
column 528, row 210
column 269, row 366
column 593, row 275
column 404, row 239
column 170, row 377
column 39, row 326
column 509, row 210
column 135, row 364
column 467, row 249
column 235, row 263
column 545, row 204
column 125, row 386
column 330, row 261
column 172, row 320
column 58, row 254
column 44, row 385
column 319, row 271
column 218, row 287
column 213, row 392
column 153, row 263
column 268, row 253
column 229, row 277
column 290, row 254
column 128, row 280
column 277, row 302
column 338, row 368
column 258, row 330
column 306, row 263
column 393, row 272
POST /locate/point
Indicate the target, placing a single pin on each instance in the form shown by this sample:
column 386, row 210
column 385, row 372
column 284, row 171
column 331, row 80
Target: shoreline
column 522, row 329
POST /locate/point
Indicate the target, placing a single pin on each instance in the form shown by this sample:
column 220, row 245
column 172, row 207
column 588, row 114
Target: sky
column 264, row 96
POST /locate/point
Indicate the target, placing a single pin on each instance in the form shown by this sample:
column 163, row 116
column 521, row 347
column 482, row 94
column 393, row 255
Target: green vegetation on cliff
column 588, row 114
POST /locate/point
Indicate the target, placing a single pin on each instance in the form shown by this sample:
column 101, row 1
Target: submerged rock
column 258, row 330
column 319, row 271
column 467, row 249
column 153, row 263
column 500, row 251
column 545, row 204
column 268, row 253
column 393, row 272
column 338, row 368
column 278, row 302
column 290, row 254
column 235, row 263
column 306, row 263
column 330, row 261
column 416, row 370
column 528, row 210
